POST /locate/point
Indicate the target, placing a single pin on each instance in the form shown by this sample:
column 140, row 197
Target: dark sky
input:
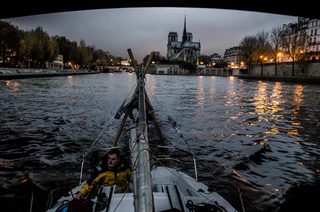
column 146, row 29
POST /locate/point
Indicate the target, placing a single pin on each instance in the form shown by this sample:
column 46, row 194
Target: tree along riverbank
column 18, row 73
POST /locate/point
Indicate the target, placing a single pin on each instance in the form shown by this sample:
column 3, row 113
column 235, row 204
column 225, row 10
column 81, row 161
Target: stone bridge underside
column 284, row 7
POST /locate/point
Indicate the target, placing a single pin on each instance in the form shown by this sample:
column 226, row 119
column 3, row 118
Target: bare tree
column 263, row 48
column 293, row 41
column 275, row 40
column 248, row 45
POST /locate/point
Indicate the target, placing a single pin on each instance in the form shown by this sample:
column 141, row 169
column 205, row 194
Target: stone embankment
column 20, row 73
column 303, row 72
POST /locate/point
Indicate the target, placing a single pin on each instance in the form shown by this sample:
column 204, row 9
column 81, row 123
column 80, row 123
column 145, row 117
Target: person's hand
column 79, row 196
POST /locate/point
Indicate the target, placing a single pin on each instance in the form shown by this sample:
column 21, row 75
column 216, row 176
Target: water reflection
column 231, row 94
column 200, row 101
column 200, row 92
column 5, row 164
column 212, row 88
column 231, row 78
column 13, row 85
column 275, row 98
column 297, row 99
column 70, row 80
column 276, row 102
column 151, row 85
column 268, row 106
column 260, row 98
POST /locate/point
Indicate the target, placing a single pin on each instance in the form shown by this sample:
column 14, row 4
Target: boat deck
column 172, row 190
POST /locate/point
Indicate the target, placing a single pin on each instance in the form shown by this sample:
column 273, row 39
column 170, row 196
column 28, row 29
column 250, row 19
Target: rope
column 125, row 191
column 81, row 171
column 99, row 137
column 96, row 141
column 173, row 124
column 242, row 206
column 103, row 131
column 153, row 96
column 31, row 202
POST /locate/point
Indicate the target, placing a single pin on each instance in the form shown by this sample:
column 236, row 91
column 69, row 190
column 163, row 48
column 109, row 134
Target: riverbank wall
column 21, row 73
column 303, row 72
column 301, row 69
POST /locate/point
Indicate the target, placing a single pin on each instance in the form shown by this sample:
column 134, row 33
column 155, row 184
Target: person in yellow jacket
column 113, row 172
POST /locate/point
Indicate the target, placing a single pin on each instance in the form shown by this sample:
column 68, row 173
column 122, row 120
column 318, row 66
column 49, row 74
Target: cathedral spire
column 184, row 36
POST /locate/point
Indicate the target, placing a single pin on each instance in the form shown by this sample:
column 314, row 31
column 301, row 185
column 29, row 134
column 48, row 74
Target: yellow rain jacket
column 119, row 176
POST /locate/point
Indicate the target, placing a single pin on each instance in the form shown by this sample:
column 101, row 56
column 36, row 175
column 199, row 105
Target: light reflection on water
column 13, row 85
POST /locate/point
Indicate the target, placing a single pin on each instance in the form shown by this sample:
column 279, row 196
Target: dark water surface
column 259, row 138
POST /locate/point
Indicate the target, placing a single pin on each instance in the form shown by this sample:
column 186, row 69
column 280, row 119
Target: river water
column 254, row 140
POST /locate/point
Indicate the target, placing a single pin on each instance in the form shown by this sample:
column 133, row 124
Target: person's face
column 112, row 160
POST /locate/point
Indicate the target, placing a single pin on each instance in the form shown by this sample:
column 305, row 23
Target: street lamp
column 261, row 58
column 279, row 54
column 241, row 64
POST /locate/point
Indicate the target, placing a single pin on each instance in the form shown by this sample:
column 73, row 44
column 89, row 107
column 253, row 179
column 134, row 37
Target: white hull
column 170, row 189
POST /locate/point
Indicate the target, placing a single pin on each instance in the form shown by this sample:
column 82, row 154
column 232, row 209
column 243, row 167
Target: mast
column 139, row 146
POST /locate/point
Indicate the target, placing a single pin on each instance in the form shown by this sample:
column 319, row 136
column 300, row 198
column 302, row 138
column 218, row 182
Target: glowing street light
column 261, row 58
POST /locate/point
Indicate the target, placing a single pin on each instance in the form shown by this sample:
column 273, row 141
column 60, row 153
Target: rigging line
column 174, row 125
column 81, row 171
column 153, row 96
column 121, row 199
column 127, row 190
column 241, row 200
column 31, row 201
column 93, row 145
column 99, row 136
column 131, row 91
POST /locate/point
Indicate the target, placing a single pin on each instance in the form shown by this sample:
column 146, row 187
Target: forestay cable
column 96, row 141
column 109, row 123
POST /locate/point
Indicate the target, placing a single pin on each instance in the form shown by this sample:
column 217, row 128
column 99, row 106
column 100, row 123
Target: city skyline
column 146, row 29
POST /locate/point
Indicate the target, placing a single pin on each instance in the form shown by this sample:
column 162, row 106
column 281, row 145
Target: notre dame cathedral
column 185, row 50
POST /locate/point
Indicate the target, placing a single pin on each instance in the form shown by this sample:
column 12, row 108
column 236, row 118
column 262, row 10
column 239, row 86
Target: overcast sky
column 146, row 29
